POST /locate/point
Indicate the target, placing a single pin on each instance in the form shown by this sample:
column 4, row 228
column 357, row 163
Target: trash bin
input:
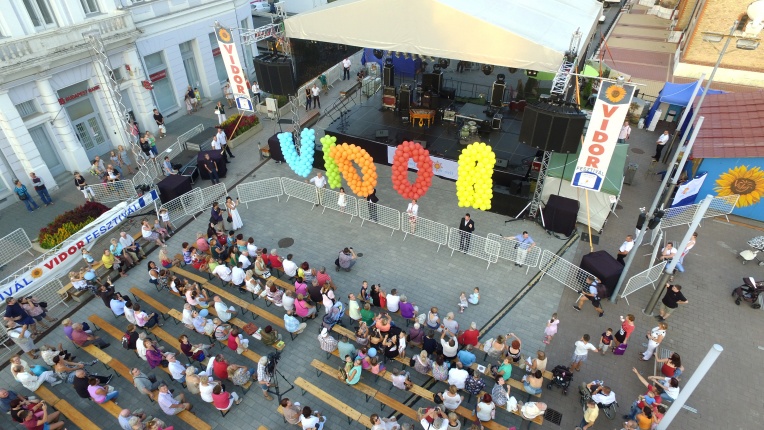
column 631, row 171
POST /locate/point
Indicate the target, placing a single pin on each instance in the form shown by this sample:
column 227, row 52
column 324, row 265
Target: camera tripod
column 275, row 385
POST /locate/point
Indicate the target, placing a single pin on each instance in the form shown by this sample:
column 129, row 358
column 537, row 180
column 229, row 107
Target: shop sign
column 215, row 52
column 158, row 75
column 63, row 100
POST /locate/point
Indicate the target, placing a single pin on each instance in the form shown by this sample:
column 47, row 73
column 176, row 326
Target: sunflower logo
column 224, row 35
column 36, row 272
column 437, row 165
column 748, row 184
column 615, row 93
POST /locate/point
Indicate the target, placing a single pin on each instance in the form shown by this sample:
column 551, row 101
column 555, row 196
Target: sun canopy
column 511, row 33
column 678, row 95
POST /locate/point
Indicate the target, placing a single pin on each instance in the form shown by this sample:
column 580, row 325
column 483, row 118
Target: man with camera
column 434, row 419
column 264, row 374
column 346, row 259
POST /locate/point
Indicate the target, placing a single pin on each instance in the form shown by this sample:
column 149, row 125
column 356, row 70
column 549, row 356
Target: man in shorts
column 671, row 300
column 581, row 352
column 592, row 294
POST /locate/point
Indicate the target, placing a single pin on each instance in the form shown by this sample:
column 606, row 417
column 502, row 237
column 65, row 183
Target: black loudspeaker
column 497, row 94
column 404, row 98
column 274, row 74
column 388, row 75
column 552, row 128
column 432, row 81
column 382, row 133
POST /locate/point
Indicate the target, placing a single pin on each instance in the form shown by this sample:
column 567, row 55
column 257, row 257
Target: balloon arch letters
column 473, row 186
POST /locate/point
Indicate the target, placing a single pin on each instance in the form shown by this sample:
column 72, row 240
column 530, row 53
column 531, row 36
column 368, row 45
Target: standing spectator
column 660, row 144
column 625, row 248
column 690, row 245
column 667, row 252
column 671, row 300
column 216, row 214
column 264, row 377
column 211, row 166
column 320, row 182
column 581, row 352
column 625, row 133
column 413, row 211
column 159, row 119
column 354, row 309
column 654, row 338
column 24, row 196
column 42, row 191
column 223, row 141
column 82, row 185
column 346, row 260
column 169, row 404
column 627, row 327
column 256, row 91
column 22, row 337
column 590, row 415
column 315, row 92
column 192, row 97
column 466, row 227
column 524, row 243
column 228, row 92
column 346, row 68
column 308, row 98
column 605, row 340
column 220, row 110
column 592, row 293
column 372, row 202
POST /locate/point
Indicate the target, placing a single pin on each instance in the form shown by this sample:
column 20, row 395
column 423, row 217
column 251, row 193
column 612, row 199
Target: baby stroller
column 561, row 377
column 334, row 316
column 749, row 292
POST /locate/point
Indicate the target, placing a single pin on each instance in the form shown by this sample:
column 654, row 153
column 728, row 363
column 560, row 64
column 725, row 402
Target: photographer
column 264, row 373
column 434, row 419
column 346, row 259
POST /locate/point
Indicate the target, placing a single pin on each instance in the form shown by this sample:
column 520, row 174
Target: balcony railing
column 65, row 41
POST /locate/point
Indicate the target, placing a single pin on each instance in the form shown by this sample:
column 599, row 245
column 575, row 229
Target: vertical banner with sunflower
column 599, row 143
column 232, row 64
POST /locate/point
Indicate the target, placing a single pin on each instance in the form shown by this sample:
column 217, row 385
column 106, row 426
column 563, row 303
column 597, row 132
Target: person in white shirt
column 625, row 133
column 215, row 144
column 316, row 92
column 393, row 300
column 223, row 141
column 625, row 248
column 438, row 417
column 223, row 272
column 346, row 68
column 457, row 376
column 176, row 368
column 311, row 420
column 413, row 211
column 320, row 182
column 256, row 91
column 603, row 396
column 238, row 276
column 660, row 144
column 169, row 404
column 668, row 252
column 581, row 351
column 244, row 260
column 140, row 347
column 450, row 347
column 290, row 267
column 228, row 94
column 129, row 246
column 32, row 382
column 225, row 312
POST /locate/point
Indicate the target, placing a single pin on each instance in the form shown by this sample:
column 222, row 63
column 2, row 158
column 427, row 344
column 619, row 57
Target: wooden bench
column 69, row 411
column 350, row 413
column 141, row 296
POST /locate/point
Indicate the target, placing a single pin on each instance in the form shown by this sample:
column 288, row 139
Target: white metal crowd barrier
column 474, row 245
column 643, row 279
column 515, row 252
column 214, row 193
column 331, row 200
column 175, row 208
column 382, row 215
column 13, row 244
column 259, row 190
column 563, row 271
column 682, row 215
column 301, row 190
column 117, row 191
column 425, row 229
column 192, row 202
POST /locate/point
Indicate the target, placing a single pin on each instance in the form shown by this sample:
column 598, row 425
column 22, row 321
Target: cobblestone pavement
column 432, row 278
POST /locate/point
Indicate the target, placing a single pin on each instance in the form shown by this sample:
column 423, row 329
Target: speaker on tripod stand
column 388, row 75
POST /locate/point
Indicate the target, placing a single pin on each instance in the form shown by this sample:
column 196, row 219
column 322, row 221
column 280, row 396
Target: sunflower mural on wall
column 748, row 183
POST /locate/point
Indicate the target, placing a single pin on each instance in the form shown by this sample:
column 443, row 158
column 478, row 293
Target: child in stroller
column 561, row 377
column 749, row 292
column 334, row 316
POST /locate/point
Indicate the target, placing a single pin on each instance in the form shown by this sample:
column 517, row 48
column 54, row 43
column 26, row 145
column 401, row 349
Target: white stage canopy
column 522, row 34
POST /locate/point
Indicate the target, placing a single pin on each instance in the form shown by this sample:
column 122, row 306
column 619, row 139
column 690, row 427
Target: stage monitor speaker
column 388, row 75
column 501, row 162
column 404, row 99
column 382, row 133
column 274, row 74
column 497, row 94
column 432, row 81
column 421, row 142
column 552, row 128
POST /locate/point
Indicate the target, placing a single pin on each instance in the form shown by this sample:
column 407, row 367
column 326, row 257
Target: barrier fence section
column 510, row 250
column 474, row 245
column 643, row 279
column 180, row 144
column 13, row 244
column 214, row 193
column 192, row 202
column 563, row 271
column 425, row 229
column 118, row 191
column 382, row 215
column 259, row 190
column 331, row 201
column 682, row 215
column 301, row 190
column 175, row 208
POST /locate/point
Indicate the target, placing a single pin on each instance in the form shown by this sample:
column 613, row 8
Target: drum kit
column 470, row 128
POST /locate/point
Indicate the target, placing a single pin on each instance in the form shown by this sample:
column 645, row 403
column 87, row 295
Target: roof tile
column 733, row 126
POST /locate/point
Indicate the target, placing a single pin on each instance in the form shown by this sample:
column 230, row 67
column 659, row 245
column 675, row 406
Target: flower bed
column 68, row 223
column 247, row 122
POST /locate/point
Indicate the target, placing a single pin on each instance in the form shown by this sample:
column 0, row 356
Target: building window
column 163, row 91
column 219, row 65
column 116, row 74
column 27, row 109
column 40, row 14
column 90, row 6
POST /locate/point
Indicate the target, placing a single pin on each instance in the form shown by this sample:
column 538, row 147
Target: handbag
column 436, row 398
column 217, row 112
column 230, row 219
column 250, row 328
column 266, row 274
column 22, row 196
column 620, row 349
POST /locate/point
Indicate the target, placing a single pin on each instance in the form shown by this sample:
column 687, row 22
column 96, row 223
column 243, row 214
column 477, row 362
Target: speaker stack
column 388, row 75
column 432, row 82
column 550, row 127
column 274, row 74
column 497, row 94
column 404, row 99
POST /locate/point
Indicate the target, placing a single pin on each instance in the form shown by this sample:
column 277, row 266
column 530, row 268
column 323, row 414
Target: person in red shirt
column 223, row 400
column 274, row 261
column 469, row 337
column 322, row 277
column 220, row 367
column 31, row 422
